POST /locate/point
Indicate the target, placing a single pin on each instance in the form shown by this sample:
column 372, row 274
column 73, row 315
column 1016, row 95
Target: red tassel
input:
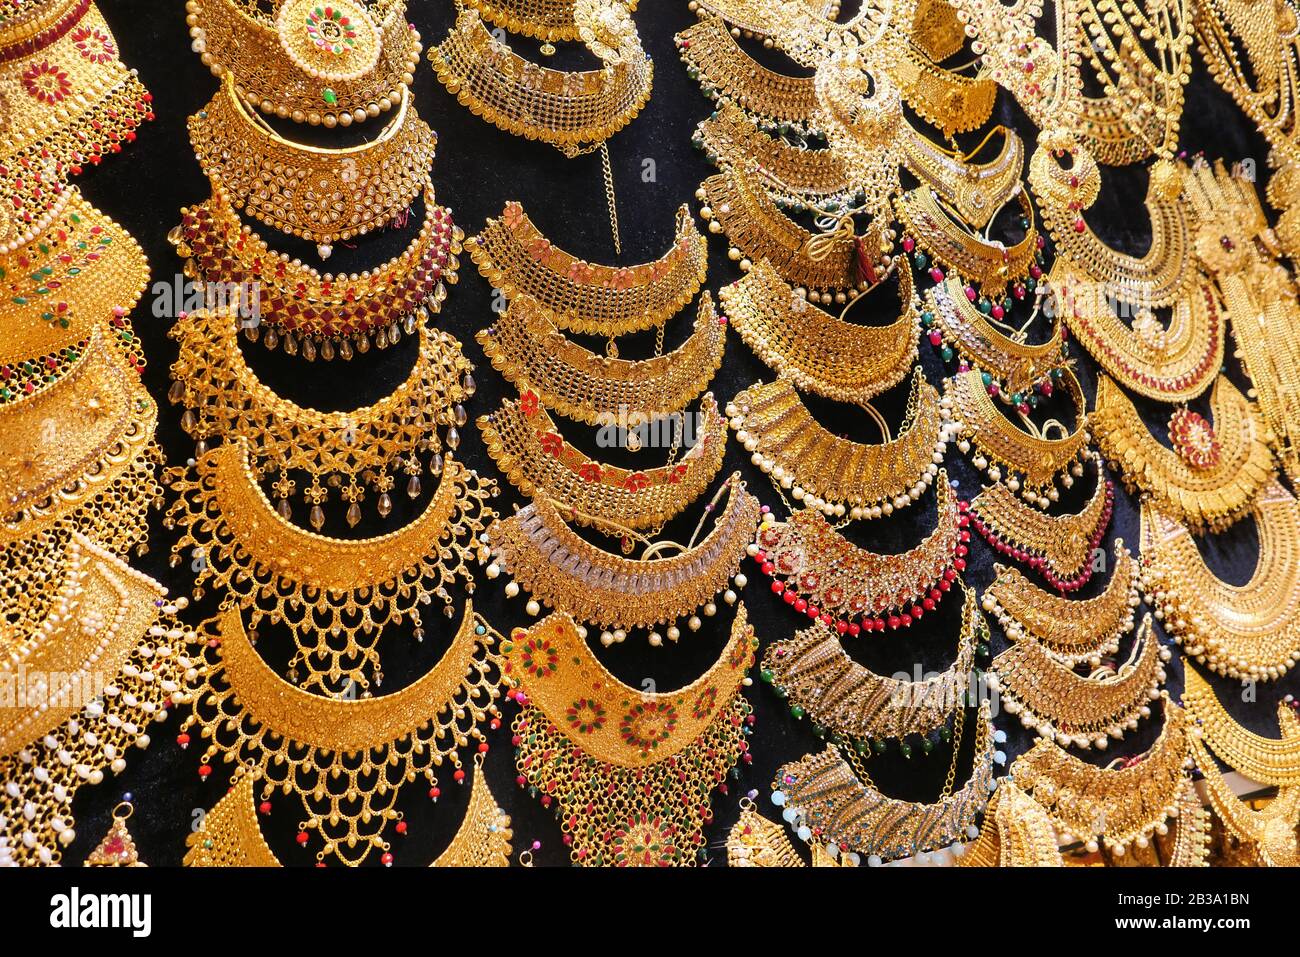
column 866, row 269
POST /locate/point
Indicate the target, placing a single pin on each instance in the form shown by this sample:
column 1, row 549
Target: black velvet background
column 478, row 168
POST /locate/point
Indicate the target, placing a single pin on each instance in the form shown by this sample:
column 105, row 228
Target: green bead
column 796, row 711
column 904, row 749
column 927, row 745
column 920, row 261
column 927, row 319
column 767, row 675
column 879, row 745
column 986, row 379
column 945, row 734
column 947, row 353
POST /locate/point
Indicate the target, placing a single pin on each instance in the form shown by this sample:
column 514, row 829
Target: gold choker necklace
column 525, row 346
column 1032, row 461
column 341, row 64
column 545, row 20
column 1249, row 631
column 839, row 804
column 223, row 398
column 340, row 758
column 1053, row 701
column 834, row 475
column 573, row 112
column 564, row 571
column 322, row 195
column 1111, row 806
column 799, row 178
column 728, row 74
column 820, row 573
column 825, row 265
column 815, row 350
column 229, row 835
column 987, row 266
column 1271, row 761
column 334, row 594
column 1160, row 277
column 69, row 101
column 813, row 671
column 1075, row 631
column 630, row 771
column 1059, row 547
column 529, row 449
column 98, row 477
column 315, row 314
column 958, row 326
column 1213, row 472
column 585, row 297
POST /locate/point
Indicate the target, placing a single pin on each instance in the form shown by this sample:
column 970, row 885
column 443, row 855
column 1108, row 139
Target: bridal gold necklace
column 629, row 772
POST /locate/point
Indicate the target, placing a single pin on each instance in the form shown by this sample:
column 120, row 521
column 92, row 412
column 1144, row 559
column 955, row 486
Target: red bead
column 302, row 837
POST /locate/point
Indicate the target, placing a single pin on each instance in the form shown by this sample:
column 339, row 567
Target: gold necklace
column 1075, row 631
column 514, row 255
column 69, row 100
column 618, row 761
column 1271, row 761
column 80, row 454
column 835, row 475
column 545, row 20
column 223, row 397
column 105, row 659
column 1016, row 833
column 1173, row 363
column 838, row 804
column 1236, row 245
column 314, row 313
column 1250, row 47
column 953, row 320
column 1268, row 834
column 529, row 450
column 573, row 112
column 1054, row 702
column 725, row 72
column 814, row 672
column 818, row 352
column 284, row 64
column 339, row 757
column 1212, row 474
column 322, row 195
column 975, row 190
column 525, row 346
column 1160, row 277
column 820, row 573
column 1249, row 631
column 798, row 177
column 823, row 265
column 986, row 266
column 334, row 594
column 1031, row 460
column 1059, row 547
column 229, row 835
column 1116, row 807
column 564, row 571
